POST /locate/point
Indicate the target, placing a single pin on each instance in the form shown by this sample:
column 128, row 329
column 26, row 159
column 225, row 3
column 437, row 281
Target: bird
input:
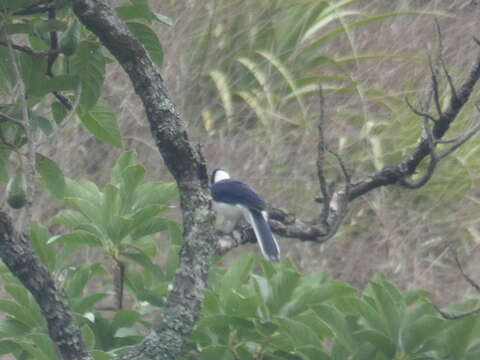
column 233, row 199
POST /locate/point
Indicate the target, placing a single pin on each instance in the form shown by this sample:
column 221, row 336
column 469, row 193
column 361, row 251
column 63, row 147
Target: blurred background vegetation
column 245, row 77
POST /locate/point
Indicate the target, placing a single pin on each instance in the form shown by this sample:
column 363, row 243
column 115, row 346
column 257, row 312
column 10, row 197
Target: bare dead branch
column 435, row 94
column 464, row 274
column 321, row 150
column 393, row 174
column 459, row 142
column 418, row 112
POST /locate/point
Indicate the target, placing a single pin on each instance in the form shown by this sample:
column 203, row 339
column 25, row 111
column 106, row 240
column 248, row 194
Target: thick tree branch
column 188, row 167
column 17, row 254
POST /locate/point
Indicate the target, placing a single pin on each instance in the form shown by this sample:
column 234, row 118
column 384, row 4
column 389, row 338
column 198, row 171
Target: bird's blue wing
column 237, row 193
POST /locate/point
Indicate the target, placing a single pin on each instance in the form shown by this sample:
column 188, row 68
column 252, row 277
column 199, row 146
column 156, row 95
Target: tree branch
column 188, row 167
column 17, row 254
column 391, row 175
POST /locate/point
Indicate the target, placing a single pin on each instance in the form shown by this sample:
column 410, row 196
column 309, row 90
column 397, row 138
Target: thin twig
column 29, row 133
column 321, row 149
column 29, row 50
column 418, row 112
column 464, row 274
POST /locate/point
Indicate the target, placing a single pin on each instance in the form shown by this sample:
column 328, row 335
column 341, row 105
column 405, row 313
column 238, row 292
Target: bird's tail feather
column 267, row 242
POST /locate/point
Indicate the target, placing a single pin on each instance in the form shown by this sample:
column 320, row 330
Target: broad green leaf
column 4, row 155
column 57, row 83
column 101, row 122
column 70, row 218
column 59, row 112
column 86, row 303
column 461, row 335
column 147, row 213
column 39, row 236
column 71, row 38
column 379, row 340
column 45, row 344
column 132, row 176
column 151, row 227
column 154, row 193
column 126, row 332
column 419, row 332
column 118, row 228
column 77, row 282
column 389, row 309
column 283, row 283
column 149, row 39
column 299, row 333
column 216, row 352
column 51, row 25
column 83, row 189
column 42, row 123
column 88, row 337
column 51, row 175
column 102, row 355
column 18, row 313
column 126, row 159
column 78, row 237
column 88, row 209
column 338, row 325
column 88, row 64
column 125, row 318
column 12, row 328
column 137, row 10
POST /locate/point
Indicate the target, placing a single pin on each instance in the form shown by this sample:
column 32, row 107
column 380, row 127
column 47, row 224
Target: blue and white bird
column 233, row 199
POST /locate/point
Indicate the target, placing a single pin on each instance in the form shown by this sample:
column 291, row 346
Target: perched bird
column 233, row 199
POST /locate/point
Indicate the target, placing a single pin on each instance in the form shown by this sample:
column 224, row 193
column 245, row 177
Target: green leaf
column 155, row 192
column 47, row 26
column 125, row 318
column 137, row 10
column 379, row 340
column 150, row 227
column 338, row 324
column 4, row 155
column 43, row 124
column 87, row 303
column 57, row 83
column 88, row 64
column 70, row 218
column 132, row 176
column 101, row 122
column 79, row 237
column 71, row 38
column 45, row 344
column 12, row 328
column 88, row 337
column 147, row 213
column 300, row 334
column 126, row 159
column 39, row 236
column 51, row 175
column 101, row 355
column 126, row 332
column 88, row 209
column 59, row 111
column 149, row 39
column 77, row 282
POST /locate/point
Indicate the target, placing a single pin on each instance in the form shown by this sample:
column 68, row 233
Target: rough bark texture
column 18, row 255
column 186, row 165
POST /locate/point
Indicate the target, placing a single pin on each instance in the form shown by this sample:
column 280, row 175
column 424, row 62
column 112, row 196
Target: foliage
column 74, row 72
column 121, row 219
column 267, row 58
column 256, row 310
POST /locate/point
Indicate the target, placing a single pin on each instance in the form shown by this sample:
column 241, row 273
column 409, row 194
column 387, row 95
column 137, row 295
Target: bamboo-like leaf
column 253, row 103
column 260, row 76
column 277, row 64
column 221, row 82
